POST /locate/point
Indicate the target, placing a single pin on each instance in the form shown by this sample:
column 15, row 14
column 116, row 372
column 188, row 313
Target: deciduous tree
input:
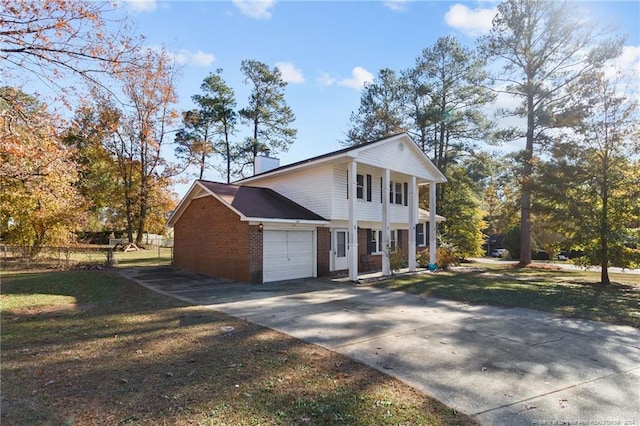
column 137, row 132
column 40, row 204
column 54, row 41
column 592, row 178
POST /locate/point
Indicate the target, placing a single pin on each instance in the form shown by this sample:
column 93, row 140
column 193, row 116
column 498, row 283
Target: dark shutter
column 369, row 188
column 347, row 184
column 369, row 243
column 406, row 193
column 381, row 193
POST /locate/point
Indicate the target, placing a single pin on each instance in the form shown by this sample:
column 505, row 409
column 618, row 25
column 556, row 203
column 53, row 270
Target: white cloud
column 142, row 5
column 289, row 73
column 396, row 5
column 202, row 59
column 326, row 80
column 256, row 9
column 472, row 22
column 187, row 57
column 628, row 62
column 359, row 77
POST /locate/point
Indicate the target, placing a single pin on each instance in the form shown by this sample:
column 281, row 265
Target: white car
column 497, row 252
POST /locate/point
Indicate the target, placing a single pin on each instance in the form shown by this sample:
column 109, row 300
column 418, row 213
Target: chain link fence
column 90, row 256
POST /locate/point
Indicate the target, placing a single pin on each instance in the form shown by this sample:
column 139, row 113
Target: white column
column 352, row 251
column 413, row 220
column 432, row 222
column 386, row 222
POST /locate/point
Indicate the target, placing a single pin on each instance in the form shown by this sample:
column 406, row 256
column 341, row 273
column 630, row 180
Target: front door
column 339, row 243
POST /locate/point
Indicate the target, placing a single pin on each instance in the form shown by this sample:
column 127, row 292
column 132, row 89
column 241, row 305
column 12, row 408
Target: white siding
column 311, row 188
column 401, row 156
column 367, row 211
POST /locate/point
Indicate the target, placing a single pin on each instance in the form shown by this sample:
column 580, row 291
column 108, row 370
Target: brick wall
column 377, row 258
column 324, row 251
column 362, row 251
column 255, row 254
column 210, row 238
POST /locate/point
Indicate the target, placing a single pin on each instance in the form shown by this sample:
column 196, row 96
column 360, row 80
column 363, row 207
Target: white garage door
column 287, row 255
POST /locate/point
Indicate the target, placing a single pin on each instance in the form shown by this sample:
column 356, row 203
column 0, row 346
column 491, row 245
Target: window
column 399, row 193
column 375, row 241
column 341, row 244
column 360, row 187
column 392, row 243
column 420, row 241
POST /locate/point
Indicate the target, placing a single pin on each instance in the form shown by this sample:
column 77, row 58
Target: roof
column 425, row 215
column 266, row 203
column 249, row 202
column 345, row 152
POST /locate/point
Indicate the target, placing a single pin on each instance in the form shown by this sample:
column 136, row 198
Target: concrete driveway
column 503, row 366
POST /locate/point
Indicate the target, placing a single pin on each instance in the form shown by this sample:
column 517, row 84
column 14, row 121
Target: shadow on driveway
column 503, row 366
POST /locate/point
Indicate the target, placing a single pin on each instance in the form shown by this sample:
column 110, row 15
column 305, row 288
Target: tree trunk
column 228, row 152
column 144, row 197
column 525, row 206
column 604, row 226
column 255, row 143
column 203, row 158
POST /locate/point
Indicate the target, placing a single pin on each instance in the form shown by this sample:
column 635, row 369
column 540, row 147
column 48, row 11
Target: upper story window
column 364, row 187
column 399, row 193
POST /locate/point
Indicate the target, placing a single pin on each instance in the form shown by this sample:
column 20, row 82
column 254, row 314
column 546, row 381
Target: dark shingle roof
column 258, row 202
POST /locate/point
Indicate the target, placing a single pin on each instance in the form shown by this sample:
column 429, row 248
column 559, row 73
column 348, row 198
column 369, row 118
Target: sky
column 325, row 50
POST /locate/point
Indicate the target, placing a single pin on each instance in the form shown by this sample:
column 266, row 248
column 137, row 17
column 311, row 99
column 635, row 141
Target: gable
column 399, row 153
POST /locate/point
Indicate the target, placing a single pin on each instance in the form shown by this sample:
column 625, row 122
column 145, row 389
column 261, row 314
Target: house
column 337, row 211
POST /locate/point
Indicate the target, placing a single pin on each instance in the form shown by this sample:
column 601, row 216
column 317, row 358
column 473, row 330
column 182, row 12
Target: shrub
column 446, row 255
column 396, row 259
column 422, row 258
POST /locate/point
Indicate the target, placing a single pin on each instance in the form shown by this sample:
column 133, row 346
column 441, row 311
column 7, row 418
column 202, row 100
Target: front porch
column 369, row 277
column 398, row 211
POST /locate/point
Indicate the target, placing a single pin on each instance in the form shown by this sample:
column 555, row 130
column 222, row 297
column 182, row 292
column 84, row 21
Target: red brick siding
column 255, row 254
column 210, row 238
column 323, row 250
column 362, row 250
column 377, row 258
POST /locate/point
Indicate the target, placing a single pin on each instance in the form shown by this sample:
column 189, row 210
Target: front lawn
column 89, row 347
column 569, row 293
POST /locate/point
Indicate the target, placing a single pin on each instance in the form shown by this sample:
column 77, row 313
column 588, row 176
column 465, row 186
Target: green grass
column 88, row 255
column 89, row 347
column 569, row 293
